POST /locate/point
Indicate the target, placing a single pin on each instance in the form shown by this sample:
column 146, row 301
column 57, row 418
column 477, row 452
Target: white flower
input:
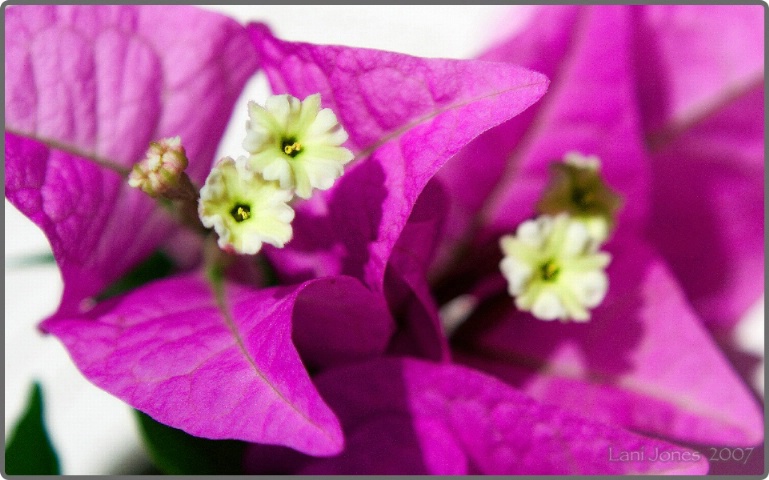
column 296, row 143
column 554, row 269
column 244, row 209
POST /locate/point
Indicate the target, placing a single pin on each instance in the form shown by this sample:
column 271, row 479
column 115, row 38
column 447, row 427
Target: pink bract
column 408, row 416
column 347, row 358
column 89, row 87
column 641, row 361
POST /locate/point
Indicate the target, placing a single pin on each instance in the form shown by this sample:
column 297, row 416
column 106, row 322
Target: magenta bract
column 92, row 86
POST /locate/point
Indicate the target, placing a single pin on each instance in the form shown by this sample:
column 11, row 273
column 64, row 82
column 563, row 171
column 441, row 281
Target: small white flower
column 554, row 269
column 296, row 143
column 244, row 209
column 161, row 169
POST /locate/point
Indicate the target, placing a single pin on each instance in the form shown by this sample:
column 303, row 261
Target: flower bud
column 161, row 169
column 577, row 188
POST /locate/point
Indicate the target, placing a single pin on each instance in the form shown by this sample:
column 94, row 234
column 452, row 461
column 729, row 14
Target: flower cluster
column 294, row 147
column 552, row 264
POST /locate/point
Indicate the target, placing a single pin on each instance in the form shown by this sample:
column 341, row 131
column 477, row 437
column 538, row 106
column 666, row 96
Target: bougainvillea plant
column 310, row 326
column 673, row 112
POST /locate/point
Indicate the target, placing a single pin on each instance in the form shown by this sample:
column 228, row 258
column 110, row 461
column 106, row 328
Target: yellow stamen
column 549, row 270
column 294, row 147
column 243, row 213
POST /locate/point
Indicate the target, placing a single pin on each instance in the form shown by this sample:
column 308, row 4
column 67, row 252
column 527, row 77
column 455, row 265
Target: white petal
column 256, row 140
column 548, row 306
column 576, row 239
column 336, row 136
column 308, row 111
column 280, row 170
column 303, row 185
column 324, row 123
column 590, row 288
column 248, row 244
column 340, row 155
column 517, row 273
column 259, row 118
column 533, row 232
column 598, row 228
column 322, row 172
column 280, row 108
column 578, row 160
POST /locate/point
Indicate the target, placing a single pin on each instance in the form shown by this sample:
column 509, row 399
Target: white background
column 94, row 432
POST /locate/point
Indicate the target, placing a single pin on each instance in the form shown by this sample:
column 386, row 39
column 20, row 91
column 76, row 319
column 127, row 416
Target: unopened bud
column 577, row 187
column 162, row 168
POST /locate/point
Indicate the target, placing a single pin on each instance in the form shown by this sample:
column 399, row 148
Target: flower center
column 241, row 212
column 549, row 271
column 582, row 198
column 291, row 147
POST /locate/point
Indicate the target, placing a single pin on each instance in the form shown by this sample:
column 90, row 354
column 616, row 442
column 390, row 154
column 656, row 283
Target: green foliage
column 31, row 260
column 29, row 450
column 158, row 265
column 177, row 453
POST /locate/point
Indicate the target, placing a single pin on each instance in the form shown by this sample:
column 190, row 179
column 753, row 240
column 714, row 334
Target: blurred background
column 33, row 288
